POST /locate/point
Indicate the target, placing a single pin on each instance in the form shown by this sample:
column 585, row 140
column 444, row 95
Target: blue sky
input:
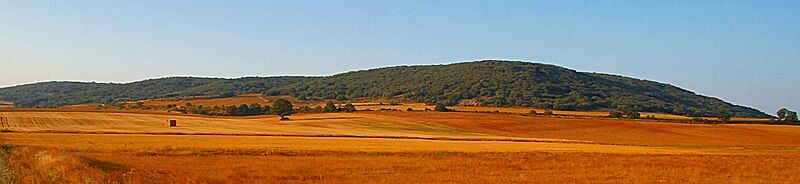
column 745, row 52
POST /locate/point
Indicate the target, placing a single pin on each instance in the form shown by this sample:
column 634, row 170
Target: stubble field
column 379, row 147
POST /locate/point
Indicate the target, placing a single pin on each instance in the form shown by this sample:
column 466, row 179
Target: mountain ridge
column 491, row 82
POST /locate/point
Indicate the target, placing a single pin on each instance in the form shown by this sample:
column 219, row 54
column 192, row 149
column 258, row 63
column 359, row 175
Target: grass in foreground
column 36, row 165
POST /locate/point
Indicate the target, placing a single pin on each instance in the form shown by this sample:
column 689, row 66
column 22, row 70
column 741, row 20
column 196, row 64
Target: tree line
column 280, row 107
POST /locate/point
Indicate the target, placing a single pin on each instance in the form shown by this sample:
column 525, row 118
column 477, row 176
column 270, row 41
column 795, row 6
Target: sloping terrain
column 495, row 83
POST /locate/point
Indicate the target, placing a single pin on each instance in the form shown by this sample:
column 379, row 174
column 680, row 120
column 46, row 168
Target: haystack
column 171, row 123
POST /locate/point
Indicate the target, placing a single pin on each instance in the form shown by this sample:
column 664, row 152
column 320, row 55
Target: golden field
column 392, row 146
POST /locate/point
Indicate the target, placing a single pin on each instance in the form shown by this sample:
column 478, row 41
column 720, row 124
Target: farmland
column 388, row 146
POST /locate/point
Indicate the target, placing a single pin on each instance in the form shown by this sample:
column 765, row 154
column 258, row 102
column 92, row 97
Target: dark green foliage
column 318, row 109
column 782, row 113
column 787, row 116
column 242, row 110
column 441, row 108
column 633, row 114
column 791, row 117
column 255, row 109
column 232, row 110
column 626, row 112
column 496, row 83
column 330, row 107
column 698, row 120
column 615, row 114
column 348, row 108
column 723, row 116
column 305, row 109
column 282, row 108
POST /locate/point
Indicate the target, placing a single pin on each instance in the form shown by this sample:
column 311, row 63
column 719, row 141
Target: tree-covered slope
column 500, row 83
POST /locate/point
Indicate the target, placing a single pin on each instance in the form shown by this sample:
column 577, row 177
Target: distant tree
column 633, row 114
column 441, row 108
column 409, row 109
column 256, row 109
column 232, row 110
column 723, row 115
column 305, row 109
column 266, row 109
column 226, row 94
column 615, row 114
column 782, row 114
column 533, row 112
column 138, row 105
column 244, row 110
column 282, row 108
column 317, row 109
column 628, row 112
column 348, row 108
column 791, row 117
column 548, row 112
column 119, row 105
column 330, row 107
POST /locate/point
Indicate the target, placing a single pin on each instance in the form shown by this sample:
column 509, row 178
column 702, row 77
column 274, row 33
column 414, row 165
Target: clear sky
column 744, row 52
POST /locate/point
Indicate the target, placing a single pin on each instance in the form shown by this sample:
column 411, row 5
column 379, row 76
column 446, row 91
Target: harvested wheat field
column 198, row 166
column 524, row 110
column 414, row 124
column 381, row 147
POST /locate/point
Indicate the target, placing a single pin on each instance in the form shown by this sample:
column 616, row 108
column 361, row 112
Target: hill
column 495, row 83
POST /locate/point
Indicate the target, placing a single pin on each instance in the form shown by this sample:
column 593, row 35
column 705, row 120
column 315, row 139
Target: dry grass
column 49, row 166
column 389, row 147
column 414, row 124
column 523, row 110
column 357, row 124
column 147, row 143
column 613, row 131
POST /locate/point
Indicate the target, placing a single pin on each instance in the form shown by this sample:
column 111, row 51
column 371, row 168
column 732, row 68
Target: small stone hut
column 171, row 123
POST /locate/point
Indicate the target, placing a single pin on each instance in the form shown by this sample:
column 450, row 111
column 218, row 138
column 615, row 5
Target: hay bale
column 171, row 123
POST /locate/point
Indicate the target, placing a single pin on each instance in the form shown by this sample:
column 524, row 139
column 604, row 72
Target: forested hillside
column 490, row 83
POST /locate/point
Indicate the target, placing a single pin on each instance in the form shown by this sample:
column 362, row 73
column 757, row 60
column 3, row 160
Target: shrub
column 330, row 107
column 441, row 108
column 615, row 114
column 348, row 108
column 723, row 116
